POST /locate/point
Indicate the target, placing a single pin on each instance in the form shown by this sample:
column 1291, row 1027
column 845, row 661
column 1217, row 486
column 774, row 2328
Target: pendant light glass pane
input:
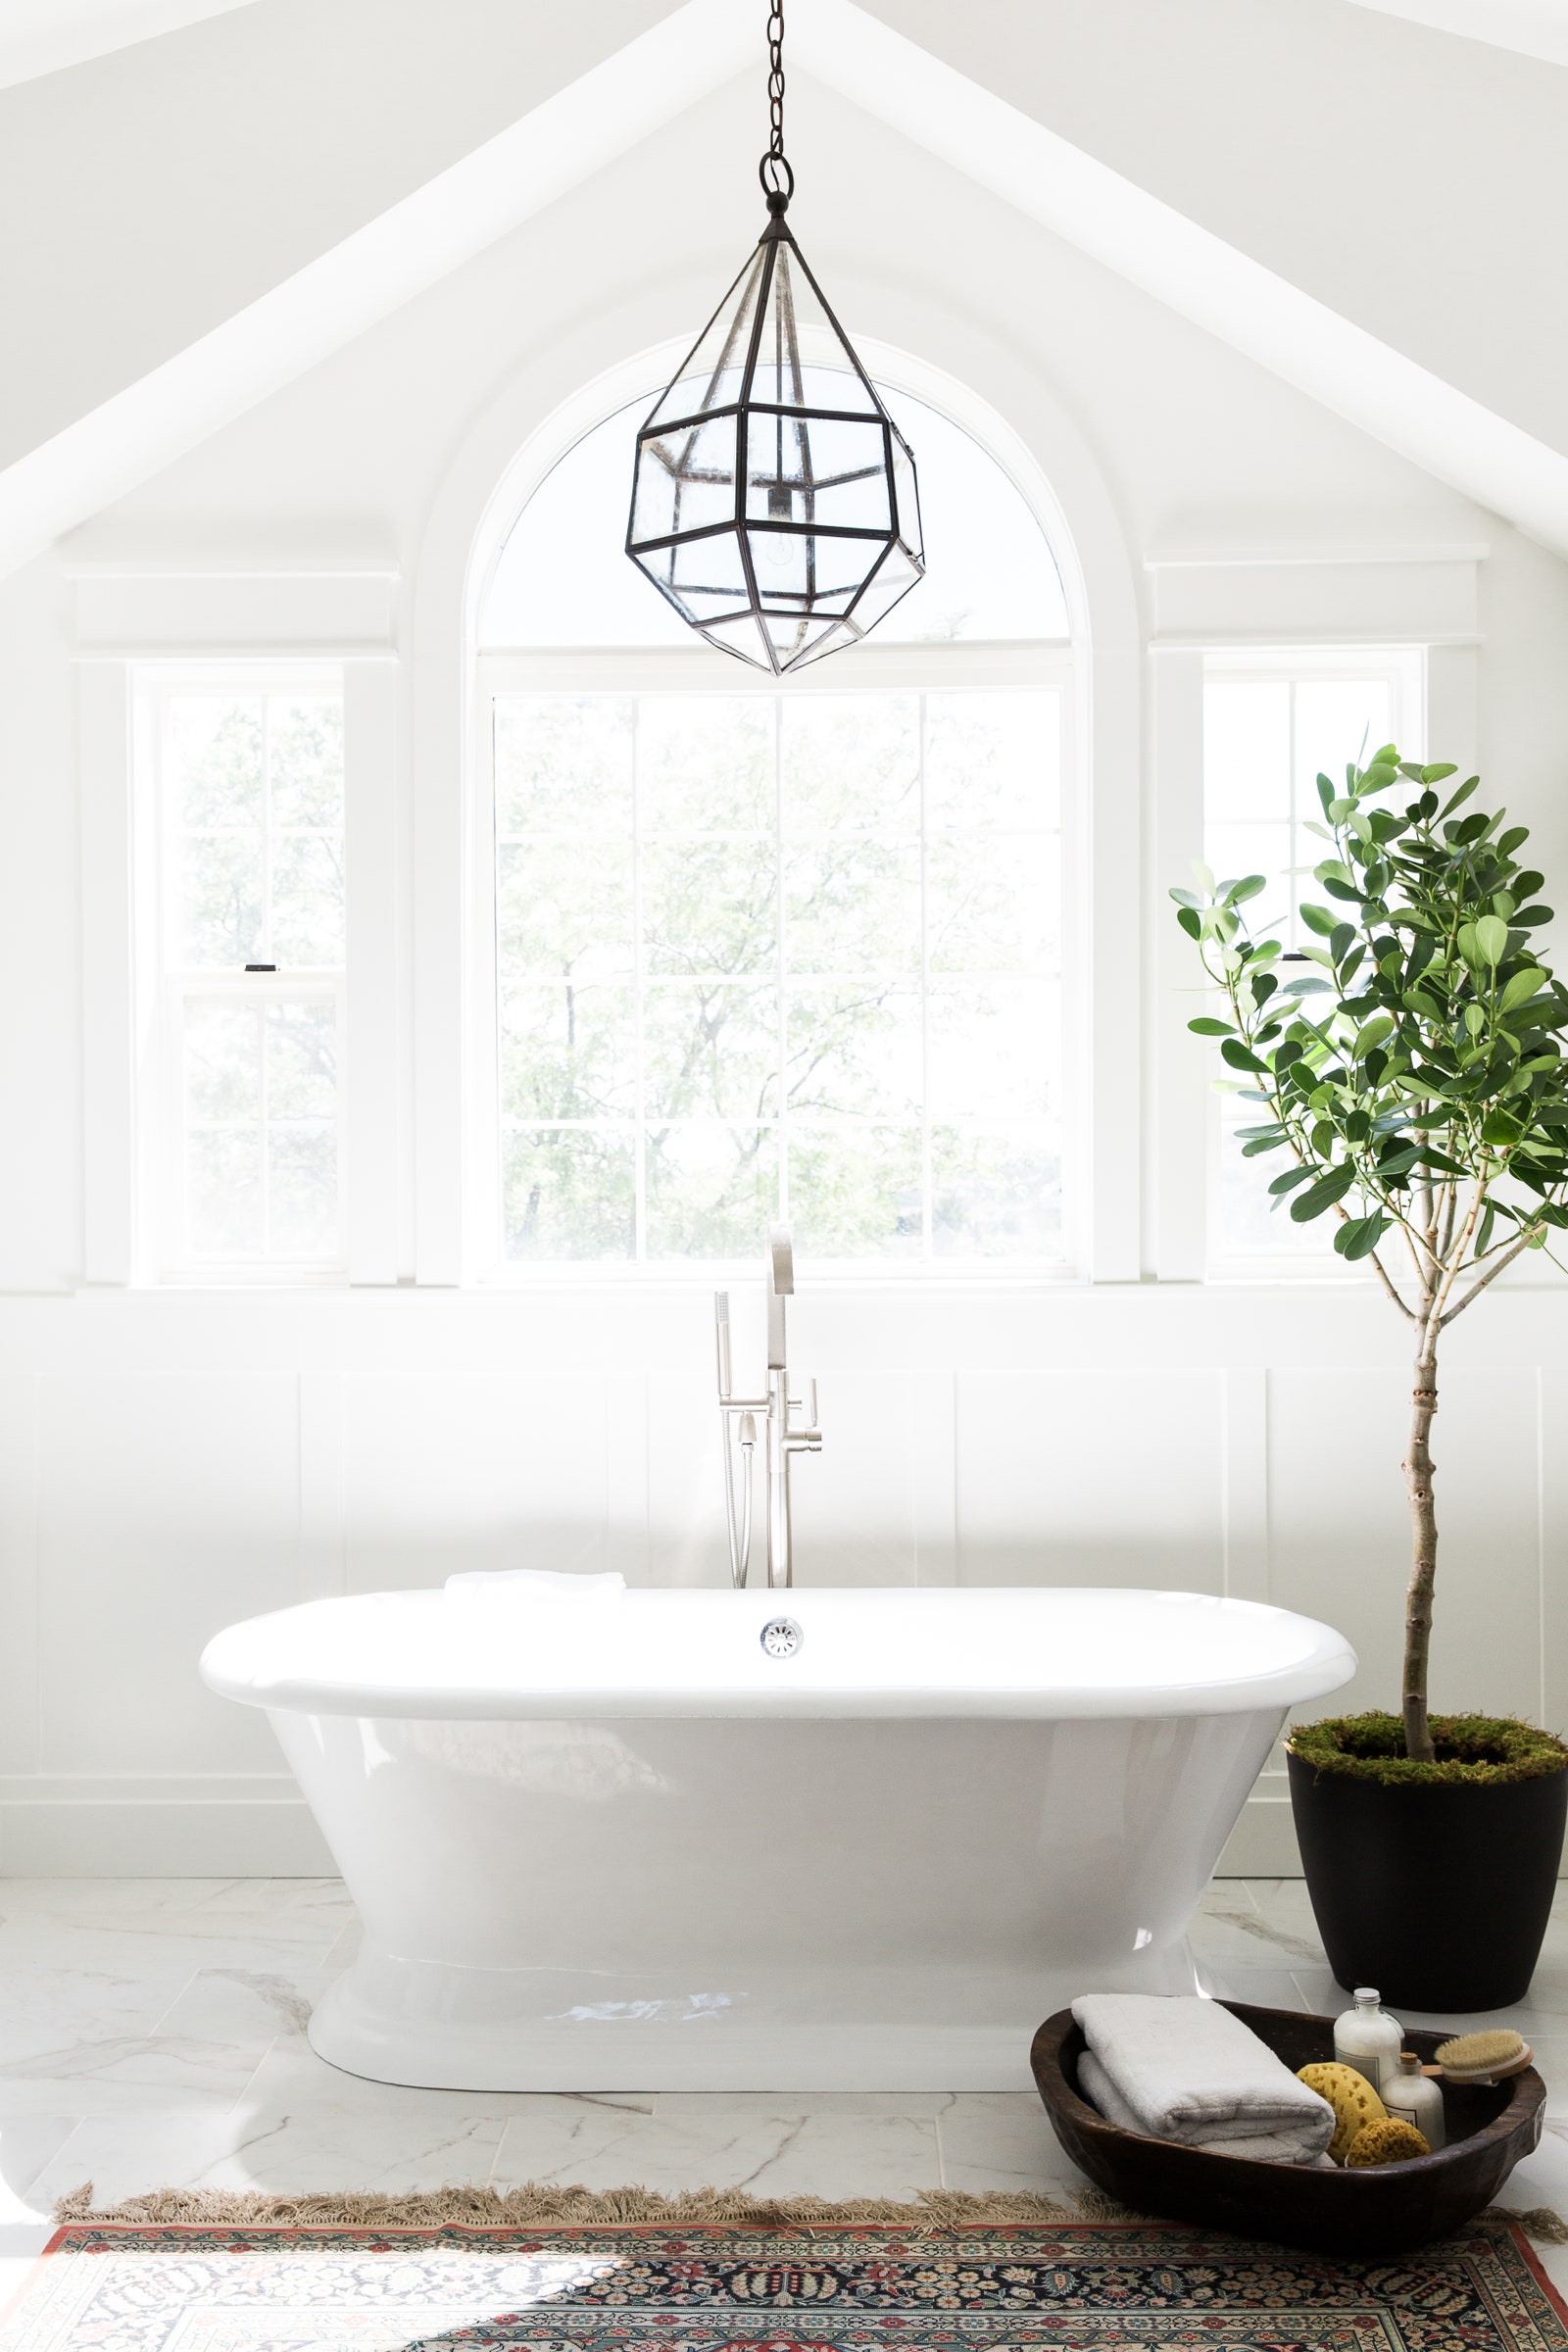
column 803, row 358
column 716, row 367
column 906, row 500
column 685, row 480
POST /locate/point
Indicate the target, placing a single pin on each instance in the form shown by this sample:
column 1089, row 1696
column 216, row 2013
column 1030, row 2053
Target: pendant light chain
column 774, row 173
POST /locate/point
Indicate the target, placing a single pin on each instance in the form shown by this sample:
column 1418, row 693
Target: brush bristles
column 1477, row 2053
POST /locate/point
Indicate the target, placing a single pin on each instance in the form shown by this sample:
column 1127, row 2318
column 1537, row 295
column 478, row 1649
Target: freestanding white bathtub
column 625, row 1848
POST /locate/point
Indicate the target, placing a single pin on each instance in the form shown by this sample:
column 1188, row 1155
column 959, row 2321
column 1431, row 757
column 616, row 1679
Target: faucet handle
column 809, row 1438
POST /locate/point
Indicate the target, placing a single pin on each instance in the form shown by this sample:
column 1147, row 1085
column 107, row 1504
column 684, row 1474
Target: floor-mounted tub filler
column 815, row 1841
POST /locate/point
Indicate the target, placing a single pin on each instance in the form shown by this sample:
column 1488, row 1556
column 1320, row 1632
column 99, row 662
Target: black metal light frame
column 827, row 613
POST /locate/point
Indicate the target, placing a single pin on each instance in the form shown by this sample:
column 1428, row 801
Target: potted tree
column 1412, row 1080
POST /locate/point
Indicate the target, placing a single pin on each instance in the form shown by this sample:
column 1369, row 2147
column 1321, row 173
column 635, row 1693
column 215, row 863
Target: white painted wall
column 172, row 1461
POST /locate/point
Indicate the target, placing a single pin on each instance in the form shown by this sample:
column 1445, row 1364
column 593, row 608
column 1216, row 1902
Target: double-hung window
column 242, row 892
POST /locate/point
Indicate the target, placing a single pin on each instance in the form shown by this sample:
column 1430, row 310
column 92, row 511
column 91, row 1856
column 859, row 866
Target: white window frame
column 126, row 1100
column 1403, row 670
column 163, row 993
column 931, row 668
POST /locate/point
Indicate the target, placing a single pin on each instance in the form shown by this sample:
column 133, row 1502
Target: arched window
column 767, row 951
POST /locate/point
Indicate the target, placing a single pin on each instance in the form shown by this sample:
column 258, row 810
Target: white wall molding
column 372, row 1132
column 214, row 612
column 1407, row 597
column 253, row 1826
column 1176, row 1068
column 108, row 968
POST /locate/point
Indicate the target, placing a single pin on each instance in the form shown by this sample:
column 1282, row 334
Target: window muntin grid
column 763, row 956
column 1268, row 731
column 252, row 862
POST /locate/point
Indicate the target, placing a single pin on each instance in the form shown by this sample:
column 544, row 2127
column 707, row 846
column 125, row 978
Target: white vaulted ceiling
column 1535, row 28
column 204, row 282
column 44, row 36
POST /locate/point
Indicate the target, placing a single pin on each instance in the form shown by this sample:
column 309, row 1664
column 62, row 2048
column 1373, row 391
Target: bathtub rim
column 1326, row 1664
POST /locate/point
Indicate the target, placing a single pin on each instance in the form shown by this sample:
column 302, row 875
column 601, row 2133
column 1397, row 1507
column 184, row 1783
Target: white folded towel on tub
column 1185, row 2070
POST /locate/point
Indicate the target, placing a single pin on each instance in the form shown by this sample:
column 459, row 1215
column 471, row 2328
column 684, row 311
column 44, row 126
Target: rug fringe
column 1537, row 2220
column 538, row 2202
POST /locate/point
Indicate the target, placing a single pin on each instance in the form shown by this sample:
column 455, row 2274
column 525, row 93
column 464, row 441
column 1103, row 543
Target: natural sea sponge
column 1354, row 2102
column 1389, row 2143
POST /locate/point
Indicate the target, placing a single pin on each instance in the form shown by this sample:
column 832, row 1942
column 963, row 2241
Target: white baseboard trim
column 258, row 1827
column 253, row 1825
column 1263, row 1844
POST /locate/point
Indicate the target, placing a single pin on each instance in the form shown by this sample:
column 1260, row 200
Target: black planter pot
column 1439, row 1897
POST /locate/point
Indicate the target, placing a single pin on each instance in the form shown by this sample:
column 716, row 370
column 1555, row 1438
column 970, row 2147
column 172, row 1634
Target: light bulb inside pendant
column 774, row 500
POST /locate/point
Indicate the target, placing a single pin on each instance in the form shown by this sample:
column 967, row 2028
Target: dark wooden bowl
column 1383, row 2209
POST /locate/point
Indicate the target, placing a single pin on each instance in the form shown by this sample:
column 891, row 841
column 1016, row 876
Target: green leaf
column 1492, row 938
column 1521, row 988
column 1342, row 939
column 1341, row 890
column 1205, row 1026
column 1379, row 1026
column 1471, row 784
column 1191, row 921
column 1512, row 840
column 1248, row 888
column 1358, row 1237
column 1241, row 1057
column 1261, row 1143
column 1400, row 1162
column 1446, row 767
column 1320, row 921
column 1204, row 875
column 1288, row 1182
column 1324, row 1193
column 1528, row 917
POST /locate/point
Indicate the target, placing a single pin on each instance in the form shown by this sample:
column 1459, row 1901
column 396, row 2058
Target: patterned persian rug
column 870, row 2287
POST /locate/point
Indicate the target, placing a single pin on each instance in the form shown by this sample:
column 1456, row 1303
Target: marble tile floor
column 152, row 2033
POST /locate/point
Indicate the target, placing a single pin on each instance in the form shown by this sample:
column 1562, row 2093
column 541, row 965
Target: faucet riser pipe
column 780, row 1555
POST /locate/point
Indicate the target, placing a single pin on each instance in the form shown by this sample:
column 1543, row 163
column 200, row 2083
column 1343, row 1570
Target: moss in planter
column 1474, row 1752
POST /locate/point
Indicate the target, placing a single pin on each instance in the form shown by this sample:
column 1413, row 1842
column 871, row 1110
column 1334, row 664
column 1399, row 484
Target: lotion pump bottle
column 1368, row 2039
column 1415, row 2098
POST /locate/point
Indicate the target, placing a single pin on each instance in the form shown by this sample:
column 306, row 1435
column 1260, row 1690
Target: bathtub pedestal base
column 443, row 2028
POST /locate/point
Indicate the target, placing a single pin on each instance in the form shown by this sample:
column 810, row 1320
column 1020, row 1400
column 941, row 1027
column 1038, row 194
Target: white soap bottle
column 1415, row 2098
column 1368, row 2039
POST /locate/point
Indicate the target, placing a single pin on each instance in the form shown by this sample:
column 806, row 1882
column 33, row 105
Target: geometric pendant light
column 774, row 499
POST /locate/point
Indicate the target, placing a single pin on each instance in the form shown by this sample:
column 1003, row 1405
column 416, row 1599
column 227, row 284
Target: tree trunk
column 1423, row 1550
